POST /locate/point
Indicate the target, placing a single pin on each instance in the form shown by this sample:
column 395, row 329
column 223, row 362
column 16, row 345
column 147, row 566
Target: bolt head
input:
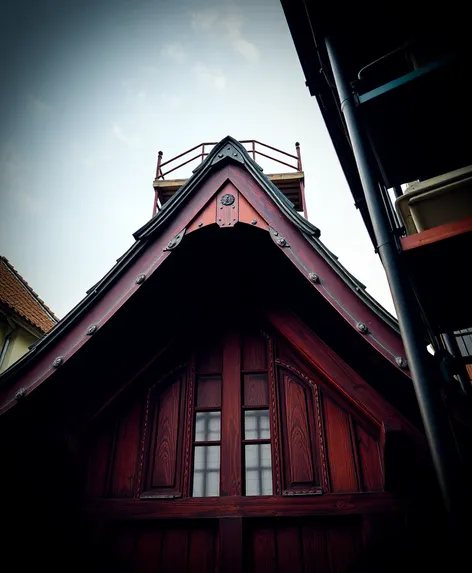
column 91, row 329
column 314, row 277
column 140, row 279
column 200, row 224
column 220, row 155
column 362, row 327
column 59, row 361
column 254, row 222
column 401, row 362
column 20, row 394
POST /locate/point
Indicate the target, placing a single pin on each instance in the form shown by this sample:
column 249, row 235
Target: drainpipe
column 436, row 423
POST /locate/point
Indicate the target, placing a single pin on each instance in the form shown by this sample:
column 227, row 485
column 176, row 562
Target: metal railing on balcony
column 201, row 151
column 203, row 148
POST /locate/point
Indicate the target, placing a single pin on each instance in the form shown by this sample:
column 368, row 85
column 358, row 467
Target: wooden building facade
column 228, row 398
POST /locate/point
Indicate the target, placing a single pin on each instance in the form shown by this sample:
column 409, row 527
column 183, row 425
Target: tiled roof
column 16, row 293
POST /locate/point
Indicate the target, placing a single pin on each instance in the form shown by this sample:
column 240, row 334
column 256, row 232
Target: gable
column 198, row 207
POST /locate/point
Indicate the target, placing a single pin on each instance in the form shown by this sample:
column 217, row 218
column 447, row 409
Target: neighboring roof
column 18, row 296
column 156, row 240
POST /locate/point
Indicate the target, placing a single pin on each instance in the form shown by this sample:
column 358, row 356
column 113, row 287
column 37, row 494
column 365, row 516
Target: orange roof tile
column 16, row 293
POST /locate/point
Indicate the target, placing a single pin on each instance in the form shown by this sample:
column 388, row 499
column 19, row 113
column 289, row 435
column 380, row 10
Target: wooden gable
column 227, row 310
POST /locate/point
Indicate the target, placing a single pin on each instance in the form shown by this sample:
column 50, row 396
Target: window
column 207, row 437
column 228, row 425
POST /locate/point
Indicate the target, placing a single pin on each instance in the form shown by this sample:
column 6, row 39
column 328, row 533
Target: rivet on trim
column 200, row 224
column 361, row 327
column 401, row 362
column 254, row 222
column 314, row 277
column 59, row 361
column 20, row 394
column 140, row 279
column 91, row 329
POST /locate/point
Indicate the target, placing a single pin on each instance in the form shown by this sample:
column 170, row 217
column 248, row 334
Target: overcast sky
column 92, row 90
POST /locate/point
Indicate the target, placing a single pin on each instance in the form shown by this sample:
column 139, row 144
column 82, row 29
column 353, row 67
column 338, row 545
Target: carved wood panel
column 299, row 456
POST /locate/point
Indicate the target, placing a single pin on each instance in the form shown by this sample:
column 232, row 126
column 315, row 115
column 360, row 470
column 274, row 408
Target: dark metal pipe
column 438, row 431
column 450, row 342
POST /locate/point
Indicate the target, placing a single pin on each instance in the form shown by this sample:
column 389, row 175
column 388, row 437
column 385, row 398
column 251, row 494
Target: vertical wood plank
column 231, row 460
column 314, row 546
column 165, row 452
column 231, row 545
column 210, row 358
column 174, row 550
column 341, row 462
column 254, row 352
column 256, row 390
column 125, row 462
column 263, row 555
column 289, row 551
column 148, row 549
column 201, row 554
column 369, row 458
column 341, row 536
column 300, row 456
column 209, row 392
column 99, row 457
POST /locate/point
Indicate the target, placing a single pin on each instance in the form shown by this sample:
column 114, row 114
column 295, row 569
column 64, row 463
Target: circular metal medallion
column 227, row 199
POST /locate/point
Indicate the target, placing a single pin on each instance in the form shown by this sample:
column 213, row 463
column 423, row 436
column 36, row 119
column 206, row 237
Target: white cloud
column 211, row 77
column 247, row 49
column 229, row 24
column 205, row 19
column 130, row 140
column 175, row 51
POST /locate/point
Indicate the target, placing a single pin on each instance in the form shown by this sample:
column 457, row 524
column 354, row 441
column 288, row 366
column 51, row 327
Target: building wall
column 18, row 344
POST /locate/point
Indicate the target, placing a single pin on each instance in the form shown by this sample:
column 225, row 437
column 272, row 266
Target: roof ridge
column 34, row 294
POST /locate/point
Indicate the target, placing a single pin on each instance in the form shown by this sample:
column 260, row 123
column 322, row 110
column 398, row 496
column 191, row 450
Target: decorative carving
column 319, row 419
column 321, row 439
column 188, row 427
column 227, row 199
column 314, row 278
column 273, row 405
column 20, row 394
column 362, row 327
column 92, row 329
column 59, row 361
column 142, row 453
column 401, row 362
column 229, row 152
column 175, row 241
column 140, row 279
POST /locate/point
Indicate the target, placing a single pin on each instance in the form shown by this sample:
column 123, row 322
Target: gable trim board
column 227, row 164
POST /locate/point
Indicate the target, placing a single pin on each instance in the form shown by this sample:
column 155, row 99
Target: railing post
column 203, row 153
column 253, row 149
column 156, row 189
column 302, row 183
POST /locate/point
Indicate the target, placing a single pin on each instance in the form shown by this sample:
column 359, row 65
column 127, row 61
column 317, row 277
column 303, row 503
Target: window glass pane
column 206, row 471
column 258, row 469
column 207, row 426
column 256, row 425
